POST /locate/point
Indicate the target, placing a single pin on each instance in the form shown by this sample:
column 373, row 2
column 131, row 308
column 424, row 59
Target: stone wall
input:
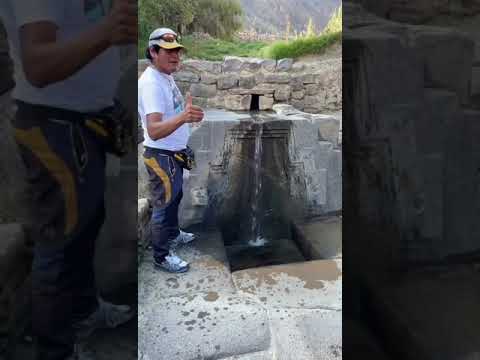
column 418, row 12
column 458, row 16
column 412, row 170
column 233, row 84
column 313, row 167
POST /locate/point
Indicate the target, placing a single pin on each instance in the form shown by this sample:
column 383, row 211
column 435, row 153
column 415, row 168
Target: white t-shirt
column 158, row 93
column 90, row 89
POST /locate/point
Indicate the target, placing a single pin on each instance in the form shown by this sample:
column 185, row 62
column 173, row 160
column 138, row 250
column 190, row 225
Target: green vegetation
column 310, row 44
column 334, row 25
column 222, row 19
column 176, row 14
column 219, row 18
column 310, row 28
column 303, row 46
column 213, row 49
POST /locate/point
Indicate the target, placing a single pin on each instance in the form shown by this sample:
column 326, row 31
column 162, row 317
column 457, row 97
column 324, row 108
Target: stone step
column 306, row 334
column 322, row 238
column 202, row 326
column 430, row 314
column 309, row 285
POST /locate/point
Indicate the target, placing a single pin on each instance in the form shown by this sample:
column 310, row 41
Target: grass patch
column 304, row 46
column 214, row 49
column 311, row 44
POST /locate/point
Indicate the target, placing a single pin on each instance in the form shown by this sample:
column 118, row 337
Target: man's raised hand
column 192, row 112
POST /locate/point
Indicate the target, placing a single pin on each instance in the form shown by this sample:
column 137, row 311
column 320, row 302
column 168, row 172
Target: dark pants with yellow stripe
column 65, row 169
column 166, row 181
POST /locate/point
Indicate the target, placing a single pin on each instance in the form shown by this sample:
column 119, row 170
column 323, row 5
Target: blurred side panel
column 411, row 195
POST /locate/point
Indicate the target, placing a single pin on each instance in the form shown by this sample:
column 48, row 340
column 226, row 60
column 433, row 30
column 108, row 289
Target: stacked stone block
column 415, row 159
column 315, row 162
column 231, row 84
column 420, row 11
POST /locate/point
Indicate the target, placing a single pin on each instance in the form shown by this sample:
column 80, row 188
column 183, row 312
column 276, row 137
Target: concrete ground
column 284, row 312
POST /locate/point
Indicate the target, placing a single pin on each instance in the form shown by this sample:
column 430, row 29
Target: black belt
column 185, row 157
column 162, row 151
column 109, row 124
column 59, row 113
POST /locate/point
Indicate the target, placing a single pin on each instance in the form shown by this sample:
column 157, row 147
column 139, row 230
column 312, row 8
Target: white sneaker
column 182, row 239
column 107, row 316
column 172, row 263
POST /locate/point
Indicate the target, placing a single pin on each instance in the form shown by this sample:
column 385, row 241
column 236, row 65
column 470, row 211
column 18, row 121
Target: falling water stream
column 256, row 233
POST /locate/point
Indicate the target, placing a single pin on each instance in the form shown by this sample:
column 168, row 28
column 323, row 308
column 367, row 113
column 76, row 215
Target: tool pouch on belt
column 115, row 127
column 186, row 158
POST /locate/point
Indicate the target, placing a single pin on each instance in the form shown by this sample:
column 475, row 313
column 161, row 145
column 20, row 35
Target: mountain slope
column 271, row 16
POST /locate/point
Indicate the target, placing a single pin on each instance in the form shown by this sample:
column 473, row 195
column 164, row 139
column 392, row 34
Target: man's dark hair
column 156, row 48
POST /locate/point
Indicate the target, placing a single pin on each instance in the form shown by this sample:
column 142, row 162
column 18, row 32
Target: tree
column 219, row 18
column 176, row 14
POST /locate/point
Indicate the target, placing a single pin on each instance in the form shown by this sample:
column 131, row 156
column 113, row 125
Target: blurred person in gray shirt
column 66, row 69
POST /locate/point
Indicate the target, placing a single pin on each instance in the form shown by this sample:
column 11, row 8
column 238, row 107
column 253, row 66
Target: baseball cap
column 157, row 37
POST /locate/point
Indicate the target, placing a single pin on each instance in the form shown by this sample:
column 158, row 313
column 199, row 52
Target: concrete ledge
column 307, row 334
column 310, row 285
column 321, row 239
column 202, row 326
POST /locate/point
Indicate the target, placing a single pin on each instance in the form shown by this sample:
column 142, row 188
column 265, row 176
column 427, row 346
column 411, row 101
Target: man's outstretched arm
column 47, row 60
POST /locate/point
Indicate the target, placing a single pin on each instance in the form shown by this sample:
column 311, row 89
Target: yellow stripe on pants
column 153, row 164
column 99, row 129
column 34, row 140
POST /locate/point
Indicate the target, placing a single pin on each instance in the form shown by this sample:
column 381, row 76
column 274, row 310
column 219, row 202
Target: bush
column 301, row 47
column 309, row 44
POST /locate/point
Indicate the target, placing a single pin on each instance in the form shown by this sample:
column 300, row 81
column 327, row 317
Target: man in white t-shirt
column 165, row 117
column 66, row 67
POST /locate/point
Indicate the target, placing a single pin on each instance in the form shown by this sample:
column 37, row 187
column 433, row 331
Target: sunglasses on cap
column 166, row 37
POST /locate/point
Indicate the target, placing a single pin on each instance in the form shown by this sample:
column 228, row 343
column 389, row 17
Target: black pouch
column 115, row 126
column 186, row 158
